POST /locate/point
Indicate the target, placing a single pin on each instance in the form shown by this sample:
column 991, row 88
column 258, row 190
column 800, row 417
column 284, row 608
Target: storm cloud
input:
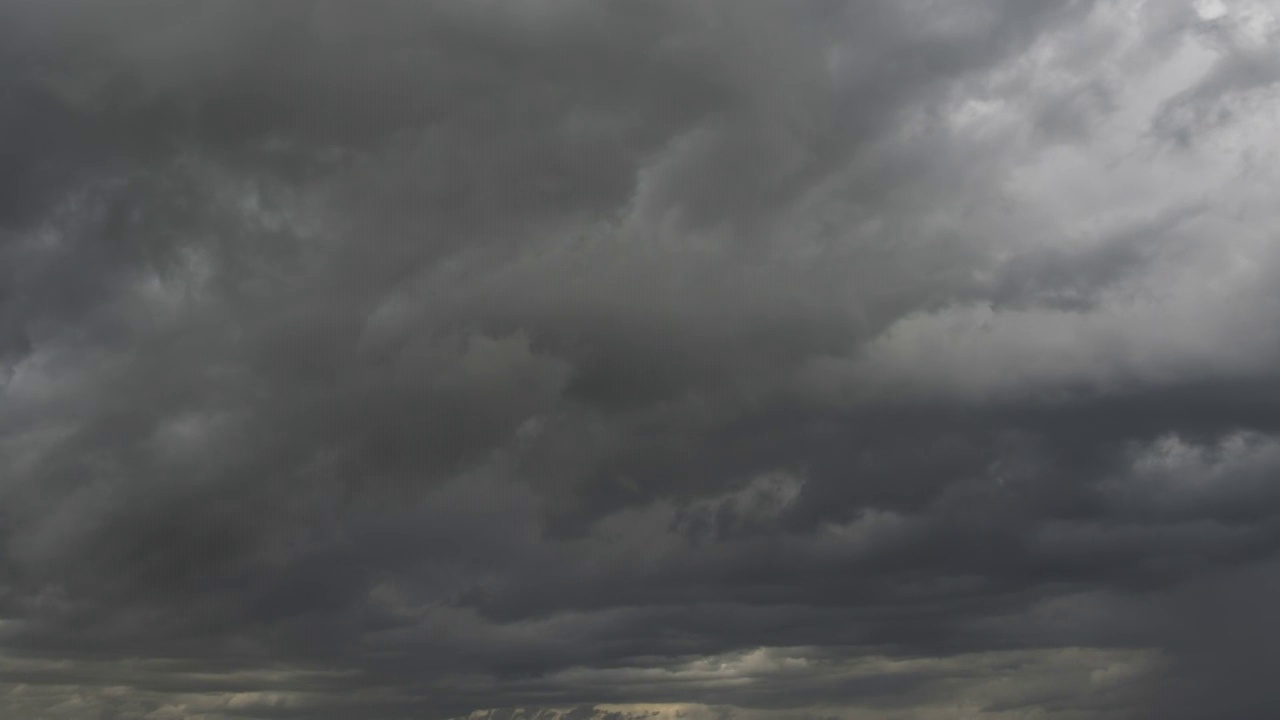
column 620, row 359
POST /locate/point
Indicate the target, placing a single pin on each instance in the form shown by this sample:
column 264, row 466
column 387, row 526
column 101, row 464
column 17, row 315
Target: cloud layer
column 610, row 360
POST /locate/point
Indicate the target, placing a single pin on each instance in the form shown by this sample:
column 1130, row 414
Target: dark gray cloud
column 607, row 360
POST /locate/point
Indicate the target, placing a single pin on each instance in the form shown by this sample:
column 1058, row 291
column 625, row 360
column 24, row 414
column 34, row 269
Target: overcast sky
column 620, row 359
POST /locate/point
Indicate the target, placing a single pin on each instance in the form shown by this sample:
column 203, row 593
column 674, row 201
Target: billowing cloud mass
column 621, row 359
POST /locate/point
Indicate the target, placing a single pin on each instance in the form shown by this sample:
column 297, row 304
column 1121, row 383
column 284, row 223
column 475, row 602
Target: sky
column 639, row 359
